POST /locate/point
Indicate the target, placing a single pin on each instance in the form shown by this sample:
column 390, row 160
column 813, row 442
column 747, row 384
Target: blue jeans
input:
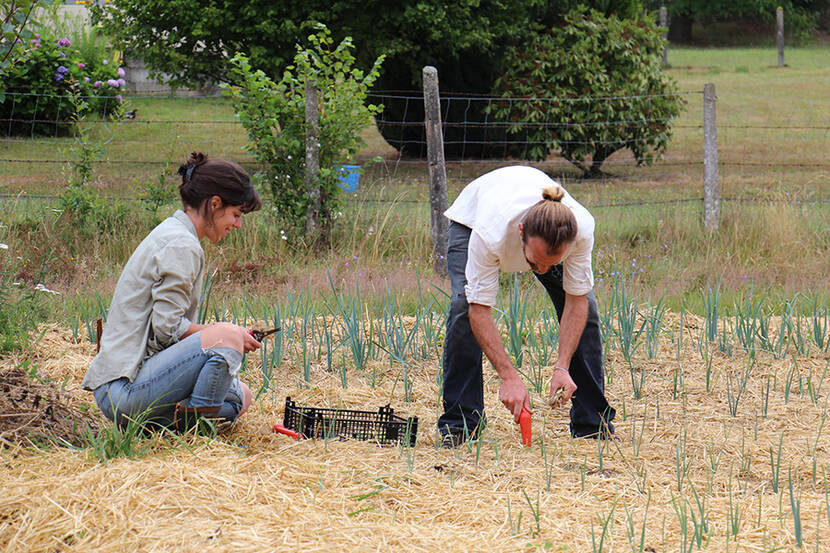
column 184, row 372
column 463, row 393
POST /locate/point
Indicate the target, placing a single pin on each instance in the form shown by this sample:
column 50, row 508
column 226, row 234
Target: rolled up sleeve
column 178, row 269
column 578, row 274
column 482, row 273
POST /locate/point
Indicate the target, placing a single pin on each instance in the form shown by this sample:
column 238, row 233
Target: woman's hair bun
column 196, row 158
column 553, row 193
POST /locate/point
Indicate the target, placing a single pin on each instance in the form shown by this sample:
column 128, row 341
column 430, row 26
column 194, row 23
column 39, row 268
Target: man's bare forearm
column 512, row 392
column 485, row 331
column 571, row 326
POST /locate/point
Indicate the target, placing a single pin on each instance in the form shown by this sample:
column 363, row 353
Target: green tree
column 273, row 113
column 801, row 16
column 594, row 85
column 464, row 40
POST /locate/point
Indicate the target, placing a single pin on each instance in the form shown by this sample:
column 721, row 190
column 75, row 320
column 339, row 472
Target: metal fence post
column 312, row 156
column 711, row 196
column 437, row 170
column 664, row 23
column 779, row 34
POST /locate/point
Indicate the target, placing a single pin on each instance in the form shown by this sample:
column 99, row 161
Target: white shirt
column 493, row 205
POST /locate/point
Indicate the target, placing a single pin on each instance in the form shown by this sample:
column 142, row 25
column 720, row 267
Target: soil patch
column 38, row 412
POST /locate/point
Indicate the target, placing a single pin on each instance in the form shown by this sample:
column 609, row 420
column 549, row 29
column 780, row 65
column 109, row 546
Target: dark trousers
column 463, row 392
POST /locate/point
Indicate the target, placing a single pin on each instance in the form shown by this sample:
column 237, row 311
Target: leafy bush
column 464, row 40
column 273, row 113
column 89, row 40
column 35, row 92
column 594, row 86
column 19, row 20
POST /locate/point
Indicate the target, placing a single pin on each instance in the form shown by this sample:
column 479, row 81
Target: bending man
column 519, row 219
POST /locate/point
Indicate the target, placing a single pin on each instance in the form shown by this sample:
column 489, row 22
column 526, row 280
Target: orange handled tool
column 524, row 424
column 280, row 429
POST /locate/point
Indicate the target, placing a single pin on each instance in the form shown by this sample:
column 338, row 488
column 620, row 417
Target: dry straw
column 685, row 475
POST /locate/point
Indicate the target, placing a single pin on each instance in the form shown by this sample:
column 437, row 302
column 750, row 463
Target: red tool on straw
column 524, row 424
column 280, row 429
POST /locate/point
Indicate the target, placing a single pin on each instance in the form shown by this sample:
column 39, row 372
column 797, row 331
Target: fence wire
column 762, row 141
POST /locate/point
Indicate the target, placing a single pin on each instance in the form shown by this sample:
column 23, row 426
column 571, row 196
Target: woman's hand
column 229, row 335
column 249, row 343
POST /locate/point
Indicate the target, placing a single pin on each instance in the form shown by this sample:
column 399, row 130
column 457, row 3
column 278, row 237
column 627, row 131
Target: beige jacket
column 155, row 300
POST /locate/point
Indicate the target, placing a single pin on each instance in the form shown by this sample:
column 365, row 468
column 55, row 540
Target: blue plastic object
column 349, row 177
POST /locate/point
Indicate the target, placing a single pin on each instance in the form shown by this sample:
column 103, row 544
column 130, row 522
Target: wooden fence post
column 779, row 34
column 312, row 156
column 711, row 196
column 437, row 170
column 664, row 22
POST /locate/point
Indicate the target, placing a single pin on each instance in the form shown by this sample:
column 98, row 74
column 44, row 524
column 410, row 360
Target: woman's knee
column 223, row 335
column 247, row 397
column 103, row 400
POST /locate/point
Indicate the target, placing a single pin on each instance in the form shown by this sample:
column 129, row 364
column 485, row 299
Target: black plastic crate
column 381, row 426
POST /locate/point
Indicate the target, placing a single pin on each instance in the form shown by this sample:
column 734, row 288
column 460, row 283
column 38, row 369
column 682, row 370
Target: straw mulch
column 252, row 490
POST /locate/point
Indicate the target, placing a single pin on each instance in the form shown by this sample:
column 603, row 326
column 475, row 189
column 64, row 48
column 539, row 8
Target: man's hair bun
column 554, row 193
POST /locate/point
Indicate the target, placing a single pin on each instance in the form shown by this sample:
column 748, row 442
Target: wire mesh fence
column 765, row 144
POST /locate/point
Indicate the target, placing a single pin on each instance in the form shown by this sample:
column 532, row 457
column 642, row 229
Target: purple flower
column 81, row 65
column 113, row 83
column 121, row 82
column 86, row 79
column 62, row 69
column 37, row 36
column 58, row 77
column 105, row 62
column 35, row 43
column 119, row 98
column 64, row 42
column 121, row 72
column 97, row 84
column 63, row 54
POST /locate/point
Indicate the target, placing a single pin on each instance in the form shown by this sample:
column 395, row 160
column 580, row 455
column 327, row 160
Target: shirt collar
column 185, row 220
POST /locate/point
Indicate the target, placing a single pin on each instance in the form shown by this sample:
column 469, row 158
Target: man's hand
column 513, row 394
column 561, row 379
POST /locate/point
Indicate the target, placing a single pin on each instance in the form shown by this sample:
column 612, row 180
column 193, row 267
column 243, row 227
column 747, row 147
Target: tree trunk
column 597, row 159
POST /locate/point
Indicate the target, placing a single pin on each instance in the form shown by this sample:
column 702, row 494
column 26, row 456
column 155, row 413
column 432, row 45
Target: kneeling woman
column 154, row 358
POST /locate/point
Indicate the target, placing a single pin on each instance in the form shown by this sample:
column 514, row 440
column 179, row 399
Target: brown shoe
column 185, row 416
